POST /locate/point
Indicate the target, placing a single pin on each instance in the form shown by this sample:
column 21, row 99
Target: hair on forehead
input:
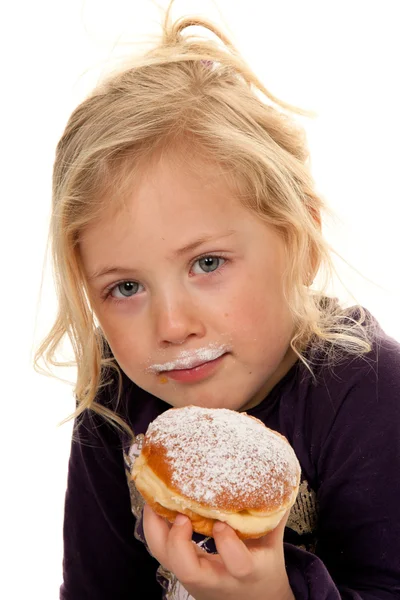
column 186, row 155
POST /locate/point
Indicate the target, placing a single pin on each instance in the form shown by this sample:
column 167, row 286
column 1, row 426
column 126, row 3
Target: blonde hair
column 188, row 88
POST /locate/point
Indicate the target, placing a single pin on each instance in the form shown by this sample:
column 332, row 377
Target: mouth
column 190, row 359
column 197, row 372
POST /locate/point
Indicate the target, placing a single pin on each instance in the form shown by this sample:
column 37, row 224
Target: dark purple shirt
column 342, row 539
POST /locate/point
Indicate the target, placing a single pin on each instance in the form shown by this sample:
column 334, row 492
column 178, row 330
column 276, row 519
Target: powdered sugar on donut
column 218, row 456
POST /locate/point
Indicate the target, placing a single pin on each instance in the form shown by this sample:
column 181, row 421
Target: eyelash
column 108, row 291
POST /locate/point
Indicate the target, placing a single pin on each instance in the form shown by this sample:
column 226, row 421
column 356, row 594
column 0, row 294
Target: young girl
column 186, row 237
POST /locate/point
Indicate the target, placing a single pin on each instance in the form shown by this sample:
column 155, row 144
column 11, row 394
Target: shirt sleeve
column 102, row 558
column 358, row 465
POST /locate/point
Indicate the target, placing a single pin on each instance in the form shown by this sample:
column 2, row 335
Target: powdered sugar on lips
column 188, row 359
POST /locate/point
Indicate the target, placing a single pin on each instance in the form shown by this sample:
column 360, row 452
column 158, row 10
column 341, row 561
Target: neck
column 287, row 363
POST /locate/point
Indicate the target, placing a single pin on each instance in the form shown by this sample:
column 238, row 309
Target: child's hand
column 253, row 569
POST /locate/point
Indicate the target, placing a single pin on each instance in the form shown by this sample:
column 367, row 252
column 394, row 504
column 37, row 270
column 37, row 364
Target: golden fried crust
column 192, row 463
column 156, row 458
column 200, row 524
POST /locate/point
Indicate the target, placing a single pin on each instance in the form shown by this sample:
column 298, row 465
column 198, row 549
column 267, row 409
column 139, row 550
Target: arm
column 102, row 558
column 358, row 466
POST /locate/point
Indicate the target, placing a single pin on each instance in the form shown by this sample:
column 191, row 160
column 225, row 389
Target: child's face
column 172, row 308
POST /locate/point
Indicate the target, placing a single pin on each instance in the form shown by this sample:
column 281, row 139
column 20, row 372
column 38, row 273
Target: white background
column 338, row 58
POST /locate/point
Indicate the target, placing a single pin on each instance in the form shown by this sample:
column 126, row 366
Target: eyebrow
column 176, row 254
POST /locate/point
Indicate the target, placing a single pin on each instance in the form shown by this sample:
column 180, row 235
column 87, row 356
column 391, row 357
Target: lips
column 193, row 365
column 196, row 373
column 192, row 359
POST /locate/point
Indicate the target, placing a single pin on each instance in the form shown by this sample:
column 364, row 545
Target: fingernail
column 219, row 526
column 180, row 519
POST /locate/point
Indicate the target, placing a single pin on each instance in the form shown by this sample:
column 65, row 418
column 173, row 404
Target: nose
column 176, row 317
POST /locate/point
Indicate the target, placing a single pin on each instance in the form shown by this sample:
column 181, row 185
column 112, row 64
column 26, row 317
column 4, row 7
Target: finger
column 275, row 537
column 156, row 531
column 202, row 553
column 234, row 554
column 183, row 555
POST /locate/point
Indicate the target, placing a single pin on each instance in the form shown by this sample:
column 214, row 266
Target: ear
column 314, row 256
column 313, row 265
column 316, row 215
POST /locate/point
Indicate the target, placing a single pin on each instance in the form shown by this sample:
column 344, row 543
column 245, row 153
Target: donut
column 215, row 464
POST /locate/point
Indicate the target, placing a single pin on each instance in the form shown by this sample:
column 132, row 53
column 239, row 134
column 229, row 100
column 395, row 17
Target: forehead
column 170, row 199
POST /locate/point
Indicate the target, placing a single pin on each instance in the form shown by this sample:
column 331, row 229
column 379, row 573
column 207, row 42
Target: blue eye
column 126, row 289
column 208, row 264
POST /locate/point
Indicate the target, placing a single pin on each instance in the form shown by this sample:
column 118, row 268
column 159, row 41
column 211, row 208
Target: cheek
column 259, row 296
column 258, row 314
column 124, row 342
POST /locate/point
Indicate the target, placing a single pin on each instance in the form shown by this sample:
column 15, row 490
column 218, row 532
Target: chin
column 206, row 401
column 234, row 395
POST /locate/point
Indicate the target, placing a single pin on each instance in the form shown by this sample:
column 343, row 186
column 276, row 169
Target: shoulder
column 355, row 395
column 380, row 367
column 377, row 369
